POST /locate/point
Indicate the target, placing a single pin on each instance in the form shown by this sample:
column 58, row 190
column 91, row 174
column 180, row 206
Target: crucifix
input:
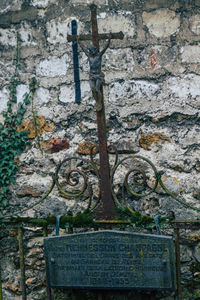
column 106, row 210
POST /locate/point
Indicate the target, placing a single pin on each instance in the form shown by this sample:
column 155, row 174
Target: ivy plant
column 13, row 142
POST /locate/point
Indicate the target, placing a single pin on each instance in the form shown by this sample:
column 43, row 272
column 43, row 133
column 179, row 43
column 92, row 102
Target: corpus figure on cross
column 96, row 76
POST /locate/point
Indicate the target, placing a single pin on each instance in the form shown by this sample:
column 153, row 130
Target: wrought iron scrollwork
column 138, row 177
column 74, row 183
column 82, row 181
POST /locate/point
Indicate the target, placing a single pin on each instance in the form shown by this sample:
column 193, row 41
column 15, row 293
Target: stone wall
column 152, row 100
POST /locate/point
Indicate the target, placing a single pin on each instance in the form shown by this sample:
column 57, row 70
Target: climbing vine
column 35, row 119
column 13, row 142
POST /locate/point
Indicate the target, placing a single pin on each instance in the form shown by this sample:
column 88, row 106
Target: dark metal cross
column 106, row 210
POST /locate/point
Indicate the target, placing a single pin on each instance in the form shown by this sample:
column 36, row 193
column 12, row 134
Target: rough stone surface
column 53, row 67
column 152, row 102
column 116, row 23
column 36, row 126
column 12, row 5
column 197, row 252
column 40, row 3
column 58, row 30
column 195, row 24
column 161, row 23
column 7, row 37
column 148, row 140
column 86, row 147
column 190, row 54
column 4, row 94
column 67, row 94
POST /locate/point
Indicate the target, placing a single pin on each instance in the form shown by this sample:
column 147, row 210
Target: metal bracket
column 58, row 224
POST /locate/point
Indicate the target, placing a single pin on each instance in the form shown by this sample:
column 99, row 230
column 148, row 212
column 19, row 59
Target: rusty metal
column 102, row 36
column 135, row 179
column 22, row 265
column 84, row 190
column 178, row 262
column 106, row 208
column 75, row 181
column 95, row 34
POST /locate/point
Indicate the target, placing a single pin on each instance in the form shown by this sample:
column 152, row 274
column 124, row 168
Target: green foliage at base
column 80, row 220
column 135, row 218
column 12, row 142
column 140, row 220
column 122, row 214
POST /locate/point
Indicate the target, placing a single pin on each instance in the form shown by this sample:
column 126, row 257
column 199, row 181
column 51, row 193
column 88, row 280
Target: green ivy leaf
column 13, row 142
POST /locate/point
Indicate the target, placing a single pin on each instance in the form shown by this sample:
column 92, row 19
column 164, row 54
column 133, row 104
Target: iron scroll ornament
column 135, row 176
column 140, row 182
column 78, row 185
column 79, row 182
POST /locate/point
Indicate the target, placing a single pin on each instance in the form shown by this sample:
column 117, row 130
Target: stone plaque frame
column 111, row 260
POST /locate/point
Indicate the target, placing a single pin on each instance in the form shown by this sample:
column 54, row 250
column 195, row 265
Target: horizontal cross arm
column 101, row 36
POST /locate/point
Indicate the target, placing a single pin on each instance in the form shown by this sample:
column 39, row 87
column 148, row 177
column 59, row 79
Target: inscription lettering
column 109, row 259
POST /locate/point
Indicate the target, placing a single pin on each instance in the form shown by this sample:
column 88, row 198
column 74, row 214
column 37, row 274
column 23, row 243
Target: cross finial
column 106, row 209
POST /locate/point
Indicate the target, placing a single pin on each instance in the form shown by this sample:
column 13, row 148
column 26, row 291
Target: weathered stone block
column 26, row 33
column 40, row 3
column 150, row 4
column 197, row 2
column 7, row 37
column 190, row 54
column 16, row 17
column 116, row 23
column 171, row 183
column 28, row 191
column 127, row 89
column 85, row 147
column 21, row 90
column 161, row 23
column 58, row 30
column 36, row 126
column 4, row 95
column 53, row 66
column 146, row 141
column 197, row 252
column 118, row 60
column 42, row 96
column 6, row 5
column 195, row 23
column 87, row 2
column 186, row 254
column 188, row 85
column 67, row 94
column 56, row 144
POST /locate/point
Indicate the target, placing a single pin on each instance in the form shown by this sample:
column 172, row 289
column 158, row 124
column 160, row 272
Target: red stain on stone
column 153, row 60
column 57, row 144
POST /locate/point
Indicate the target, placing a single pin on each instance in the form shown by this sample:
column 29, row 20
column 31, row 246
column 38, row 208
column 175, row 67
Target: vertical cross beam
column 107, row 205
column 106, row 209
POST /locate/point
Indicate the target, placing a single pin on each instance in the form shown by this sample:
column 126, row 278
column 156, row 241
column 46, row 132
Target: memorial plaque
column 110, row 260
